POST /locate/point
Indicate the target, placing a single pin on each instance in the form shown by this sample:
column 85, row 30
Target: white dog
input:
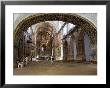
column 20, row 64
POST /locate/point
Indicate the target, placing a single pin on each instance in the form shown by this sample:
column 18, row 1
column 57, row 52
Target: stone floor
column 57, row 68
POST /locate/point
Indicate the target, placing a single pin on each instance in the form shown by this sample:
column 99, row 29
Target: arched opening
column 46, row 45
column 44, row 39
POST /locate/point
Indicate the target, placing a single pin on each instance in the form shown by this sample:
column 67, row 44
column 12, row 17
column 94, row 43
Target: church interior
column 55, row 44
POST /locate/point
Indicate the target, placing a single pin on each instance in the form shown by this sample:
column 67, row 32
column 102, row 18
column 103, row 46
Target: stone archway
column 75, row 19
column 71, row 18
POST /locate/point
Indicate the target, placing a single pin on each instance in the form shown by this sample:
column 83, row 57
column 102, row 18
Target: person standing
column 26, row 60
column 51, row 59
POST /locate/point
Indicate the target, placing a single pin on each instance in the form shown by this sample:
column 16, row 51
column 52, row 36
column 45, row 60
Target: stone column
column 79, row 38
column 65, row 50
column 80, row 51
column 72, row 46
column 70, row 55
column 61, row 51
column 94, row 53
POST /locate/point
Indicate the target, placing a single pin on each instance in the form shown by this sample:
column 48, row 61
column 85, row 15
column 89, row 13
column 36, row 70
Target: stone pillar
column 70, row 55
column 94, row 54
column 65, row 50
column 72, row 43
column 80, row 51
column 79, row 38
column 74, row 50
column 35, row 49
column 15, row 56
column 61, row 51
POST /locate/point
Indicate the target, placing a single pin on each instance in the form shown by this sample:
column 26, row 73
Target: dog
column 20, row 64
